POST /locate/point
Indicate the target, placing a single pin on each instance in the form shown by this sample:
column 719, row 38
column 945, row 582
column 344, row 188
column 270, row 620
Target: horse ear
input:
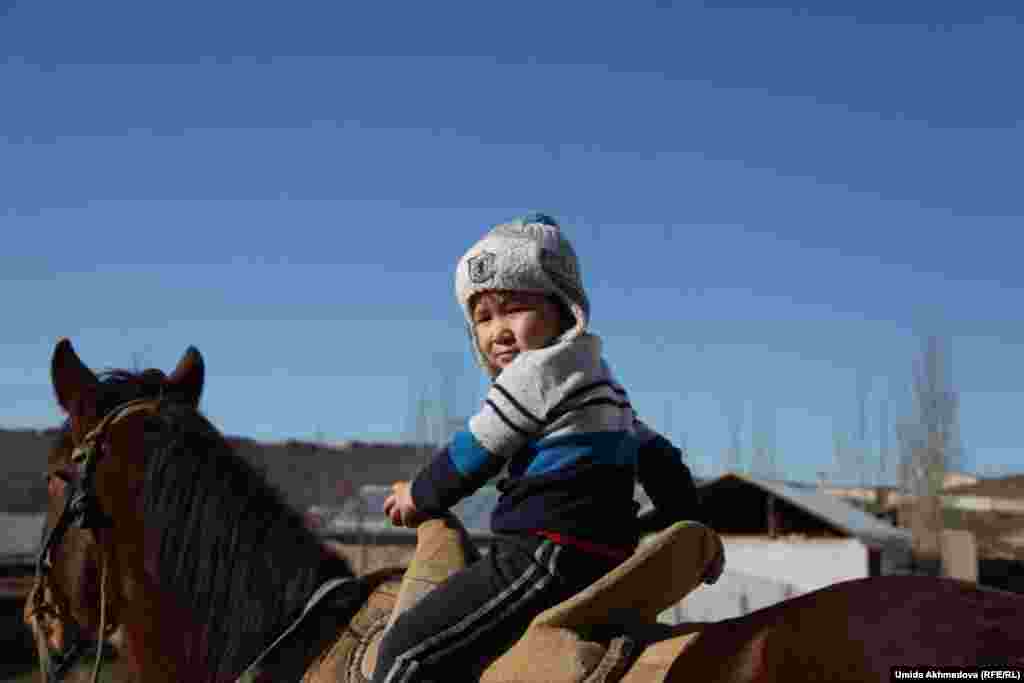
column 72, row 381
column 189, row 375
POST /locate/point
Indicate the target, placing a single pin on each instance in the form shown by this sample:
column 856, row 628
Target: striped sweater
column 565, row 432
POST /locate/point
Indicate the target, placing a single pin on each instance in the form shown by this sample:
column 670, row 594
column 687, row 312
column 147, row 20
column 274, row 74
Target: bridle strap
column 82, row 510
column 89, row 450
column 98, row 662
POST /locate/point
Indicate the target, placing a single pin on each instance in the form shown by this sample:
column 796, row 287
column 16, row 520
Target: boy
column 564, row 428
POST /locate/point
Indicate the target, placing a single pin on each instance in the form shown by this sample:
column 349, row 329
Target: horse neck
column 156, row 633
column 222, row 546
column 164, row 641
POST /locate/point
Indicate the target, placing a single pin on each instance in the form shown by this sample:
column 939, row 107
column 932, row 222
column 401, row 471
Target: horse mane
column 219, row 537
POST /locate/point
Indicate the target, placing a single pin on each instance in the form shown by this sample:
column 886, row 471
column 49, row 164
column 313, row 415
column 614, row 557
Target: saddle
column 564, row 644
column 589, row 638
column 443, row 547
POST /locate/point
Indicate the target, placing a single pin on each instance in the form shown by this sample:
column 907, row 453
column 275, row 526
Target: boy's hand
column 400, row 508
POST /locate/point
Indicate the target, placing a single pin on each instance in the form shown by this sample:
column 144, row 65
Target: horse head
column 75, row 604
column 178, row 539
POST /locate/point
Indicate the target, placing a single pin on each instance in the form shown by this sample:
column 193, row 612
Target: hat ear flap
column 481, row 360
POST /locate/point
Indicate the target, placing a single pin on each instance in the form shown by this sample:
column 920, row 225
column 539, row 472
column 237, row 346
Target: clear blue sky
column 768, row 201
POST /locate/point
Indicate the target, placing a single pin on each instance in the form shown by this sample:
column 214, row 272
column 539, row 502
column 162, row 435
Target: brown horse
column 202, row 565
column 203, row 561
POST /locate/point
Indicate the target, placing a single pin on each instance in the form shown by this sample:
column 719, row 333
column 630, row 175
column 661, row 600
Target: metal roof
column 838, row 513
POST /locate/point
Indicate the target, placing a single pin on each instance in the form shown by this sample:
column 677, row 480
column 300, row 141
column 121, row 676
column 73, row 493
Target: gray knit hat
column 529, row 254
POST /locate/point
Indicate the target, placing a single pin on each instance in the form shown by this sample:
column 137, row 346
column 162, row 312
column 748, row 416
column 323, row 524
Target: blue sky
column 769, row 200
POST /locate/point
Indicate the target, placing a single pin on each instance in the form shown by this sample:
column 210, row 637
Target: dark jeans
column 470, row 619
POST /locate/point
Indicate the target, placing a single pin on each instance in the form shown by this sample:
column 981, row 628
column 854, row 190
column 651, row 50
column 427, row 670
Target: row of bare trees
column 927, row 440
column 927, row 437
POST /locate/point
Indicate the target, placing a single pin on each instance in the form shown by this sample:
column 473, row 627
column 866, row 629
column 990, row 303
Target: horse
column 181, row 542
column 197, row 559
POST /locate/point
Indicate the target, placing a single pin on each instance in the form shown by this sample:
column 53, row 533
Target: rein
column 322, row 592
column 81, row 511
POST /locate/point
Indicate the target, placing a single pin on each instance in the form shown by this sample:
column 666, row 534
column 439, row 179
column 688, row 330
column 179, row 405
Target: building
column 19, row 539
column 882, row 496
column 19, row 542
column 1000, row 495
column 782, row 539
column 992, row 511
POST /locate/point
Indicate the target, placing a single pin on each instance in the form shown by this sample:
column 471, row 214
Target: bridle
column 82, row 511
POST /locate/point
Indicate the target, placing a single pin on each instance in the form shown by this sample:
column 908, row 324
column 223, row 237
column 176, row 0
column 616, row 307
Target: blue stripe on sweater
column 559, row 453
column 468, row 455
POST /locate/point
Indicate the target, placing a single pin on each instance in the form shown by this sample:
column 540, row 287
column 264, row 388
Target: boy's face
column 508, row 323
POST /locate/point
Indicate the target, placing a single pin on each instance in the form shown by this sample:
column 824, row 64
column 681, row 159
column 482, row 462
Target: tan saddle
column 562, row 644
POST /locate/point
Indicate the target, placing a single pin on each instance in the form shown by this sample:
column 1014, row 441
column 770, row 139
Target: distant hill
column 306, row 472
column 22, row 464
column 311, row 473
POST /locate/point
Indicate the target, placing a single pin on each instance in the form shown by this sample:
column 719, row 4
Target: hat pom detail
column 541, row 218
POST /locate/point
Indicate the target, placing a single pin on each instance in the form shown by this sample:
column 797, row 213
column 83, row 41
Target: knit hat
column 529, row 254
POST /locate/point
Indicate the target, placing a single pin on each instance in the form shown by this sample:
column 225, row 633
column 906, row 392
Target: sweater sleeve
column 456, row 471
column 513, row 413
column 666, row 480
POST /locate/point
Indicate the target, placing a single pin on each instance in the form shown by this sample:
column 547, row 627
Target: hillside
column 307, row 473
column 22, row 464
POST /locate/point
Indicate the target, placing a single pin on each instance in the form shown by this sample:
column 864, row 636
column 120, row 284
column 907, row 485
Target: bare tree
column 840, row 454
column 763, row 442
column 448, row 365
column 850, row 448
column 860, row 452
column 929, row 443
column 883, row 440
column 419, row 429
column 434, row 415
column 734, row 411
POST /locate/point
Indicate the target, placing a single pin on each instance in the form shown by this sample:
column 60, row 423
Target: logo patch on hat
column 481, row 267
